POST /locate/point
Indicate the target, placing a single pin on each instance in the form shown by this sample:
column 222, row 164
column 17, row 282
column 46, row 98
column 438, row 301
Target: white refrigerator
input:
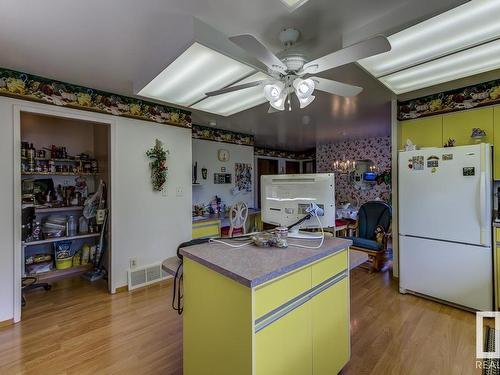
column 445, row 244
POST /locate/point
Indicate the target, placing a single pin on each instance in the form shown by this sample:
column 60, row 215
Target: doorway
column 292, row 167
column 265, row 167
column 63, row 163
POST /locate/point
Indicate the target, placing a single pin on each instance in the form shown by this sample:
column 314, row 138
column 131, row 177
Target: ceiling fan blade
column 336, row 88
column 235, row 88
column 358, row 51
column 255, row 48
column 272, row 109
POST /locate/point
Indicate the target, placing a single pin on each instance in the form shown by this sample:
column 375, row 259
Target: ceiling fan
column 294, row 73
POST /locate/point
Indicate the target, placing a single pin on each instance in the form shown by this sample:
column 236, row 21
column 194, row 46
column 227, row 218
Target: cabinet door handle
column 296, row 302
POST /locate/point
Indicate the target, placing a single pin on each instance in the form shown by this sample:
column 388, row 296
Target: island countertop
column 252, row 266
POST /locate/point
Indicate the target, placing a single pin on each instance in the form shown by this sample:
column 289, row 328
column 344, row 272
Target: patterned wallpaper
column 376, row 149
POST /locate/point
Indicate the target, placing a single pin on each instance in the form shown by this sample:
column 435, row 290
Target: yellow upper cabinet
column 496, row 145
column 459, row 125
column 423, row 132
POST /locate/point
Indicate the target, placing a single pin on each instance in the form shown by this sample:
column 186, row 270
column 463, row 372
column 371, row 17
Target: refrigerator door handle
column 482, row 208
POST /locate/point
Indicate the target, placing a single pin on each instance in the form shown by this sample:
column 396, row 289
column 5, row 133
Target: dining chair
column 373, row 232
column 238, row 215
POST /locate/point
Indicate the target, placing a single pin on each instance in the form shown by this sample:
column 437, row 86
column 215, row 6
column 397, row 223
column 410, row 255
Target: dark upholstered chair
column 373, row 215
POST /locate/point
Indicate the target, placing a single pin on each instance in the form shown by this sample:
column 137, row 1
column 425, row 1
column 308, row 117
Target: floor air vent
column 139, row 277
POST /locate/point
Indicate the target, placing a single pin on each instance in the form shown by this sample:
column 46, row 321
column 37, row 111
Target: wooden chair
column 372, row 232
column 238, row 215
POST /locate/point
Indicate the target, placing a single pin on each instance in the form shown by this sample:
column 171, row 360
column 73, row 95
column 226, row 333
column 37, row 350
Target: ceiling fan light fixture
column 274, row 91
column 278, row 104
column 303, row 87
column 305, row 102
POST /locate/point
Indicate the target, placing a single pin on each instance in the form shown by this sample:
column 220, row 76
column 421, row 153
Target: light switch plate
column 179, row 191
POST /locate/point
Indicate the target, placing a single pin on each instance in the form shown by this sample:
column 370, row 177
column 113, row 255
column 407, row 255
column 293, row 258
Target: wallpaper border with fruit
column 220, row 135
column 481, row 94
column 265, row 152
column 34, row 88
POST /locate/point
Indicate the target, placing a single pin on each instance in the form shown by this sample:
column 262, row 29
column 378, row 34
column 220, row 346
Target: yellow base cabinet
column 496, row 269
column 285, row 346
column 206, row 229
column 297, row 324
column 459, row 125
column 330, row 332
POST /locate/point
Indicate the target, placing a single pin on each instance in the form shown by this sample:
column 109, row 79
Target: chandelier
column 344, row 166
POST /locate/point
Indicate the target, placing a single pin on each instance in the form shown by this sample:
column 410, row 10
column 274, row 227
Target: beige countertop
column 252, row 265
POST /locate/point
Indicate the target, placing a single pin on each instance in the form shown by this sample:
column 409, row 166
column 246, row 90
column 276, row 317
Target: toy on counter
column 409, row 146
column 478, row 134
column 216, row 206
column 278, row 238
column 450, row 142
column 198, row 210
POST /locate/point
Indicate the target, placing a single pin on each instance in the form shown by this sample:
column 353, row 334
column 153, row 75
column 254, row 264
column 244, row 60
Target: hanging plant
column 158, row 165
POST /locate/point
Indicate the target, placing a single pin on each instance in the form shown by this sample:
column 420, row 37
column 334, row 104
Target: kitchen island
column 266, row 311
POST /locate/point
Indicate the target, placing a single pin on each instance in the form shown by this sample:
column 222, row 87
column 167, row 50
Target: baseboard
column 167, row 281
column 121, row 289
column 6, row 323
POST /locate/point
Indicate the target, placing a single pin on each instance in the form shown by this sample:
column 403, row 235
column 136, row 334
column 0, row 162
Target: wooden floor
column 78, row 328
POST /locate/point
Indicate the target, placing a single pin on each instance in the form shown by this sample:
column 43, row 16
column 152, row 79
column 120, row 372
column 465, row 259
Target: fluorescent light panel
column 293, row 4
column 466, row 26
column 472, row 61
column 236, row 101
column 196, row 71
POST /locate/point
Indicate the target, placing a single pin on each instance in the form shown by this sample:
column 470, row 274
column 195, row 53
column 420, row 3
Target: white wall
column 205, row 153
column 7, row 211
column 145, row 224
column 148, row 225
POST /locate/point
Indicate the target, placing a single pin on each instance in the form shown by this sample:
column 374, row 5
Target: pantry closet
column 65, row 186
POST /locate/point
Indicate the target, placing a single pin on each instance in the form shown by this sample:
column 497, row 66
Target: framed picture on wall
column 243, row 177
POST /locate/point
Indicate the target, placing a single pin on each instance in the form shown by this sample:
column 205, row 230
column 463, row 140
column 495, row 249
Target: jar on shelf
column 84, row 225
column 71, row 226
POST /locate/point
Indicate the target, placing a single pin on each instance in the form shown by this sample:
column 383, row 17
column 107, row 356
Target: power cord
column 229, row 244
column 177, row 292
column 312, row 247
column 177, row 297
column 178, row 278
